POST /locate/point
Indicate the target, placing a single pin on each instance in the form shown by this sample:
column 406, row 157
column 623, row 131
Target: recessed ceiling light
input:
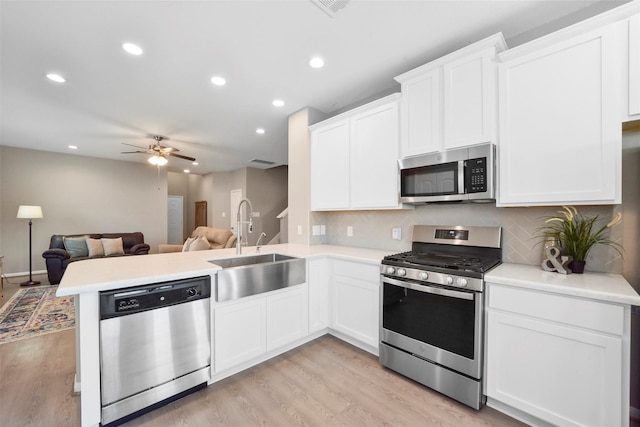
column 260, row 131
column 56, row 78
column 195, row 163
column 278, row 103
column 73, row 147
column 316, row 62
column 218, row 81
column 133, row 49
column 187, row 171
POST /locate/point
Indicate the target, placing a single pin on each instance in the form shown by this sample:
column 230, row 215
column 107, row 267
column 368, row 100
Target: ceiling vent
column 331, row 7
column 262, row 162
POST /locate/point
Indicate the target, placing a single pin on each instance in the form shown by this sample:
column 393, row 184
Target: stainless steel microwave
column 458, row 175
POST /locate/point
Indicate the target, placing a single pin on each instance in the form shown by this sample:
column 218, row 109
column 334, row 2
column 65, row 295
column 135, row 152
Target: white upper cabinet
column 451, row 102
column 330, row 166
column 420, row 127
column 560, row 128
column 354, row 158
column 633, row 105
column 470, row 99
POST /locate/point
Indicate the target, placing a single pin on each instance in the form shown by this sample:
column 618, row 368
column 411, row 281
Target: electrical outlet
column 299, row 230
column 315, row 230
column 256, row 214
column 349, row 231
column 396, row 233
column 323, row 230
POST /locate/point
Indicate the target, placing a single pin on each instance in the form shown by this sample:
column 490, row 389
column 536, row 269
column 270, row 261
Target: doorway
column 201, row 214
column 175, row 223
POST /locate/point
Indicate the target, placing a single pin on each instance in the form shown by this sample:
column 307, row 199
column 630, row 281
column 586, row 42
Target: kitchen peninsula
column 337, row 274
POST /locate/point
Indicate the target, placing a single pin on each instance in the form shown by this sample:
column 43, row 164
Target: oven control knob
column 461, row 282
column 402, row 272
column 391, row 270
column 423, row 275
column 449, row 280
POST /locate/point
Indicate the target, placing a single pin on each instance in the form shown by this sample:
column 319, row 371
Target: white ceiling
column 262, row 48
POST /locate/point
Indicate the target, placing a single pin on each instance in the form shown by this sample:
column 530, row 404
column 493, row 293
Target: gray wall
column 78, row 195
column 267, row 190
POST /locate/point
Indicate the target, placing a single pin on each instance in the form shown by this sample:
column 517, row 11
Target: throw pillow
column 187, row 243
column 95, row 247
column 112, row 246
column 200, row 244
column 76, row 246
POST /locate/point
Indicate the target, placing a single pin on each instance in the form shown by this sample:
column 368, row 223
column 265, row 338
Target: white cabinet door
column 560, row 137
column 562, row 375
column 354, row 158
column 287, row 317
column 634, row 68
column 374, row 155
column 420, row 118
column 330, row 166
column 470, row 100
column 355, row 301
column 240, row 333
column 451, row 101
column 318, row 279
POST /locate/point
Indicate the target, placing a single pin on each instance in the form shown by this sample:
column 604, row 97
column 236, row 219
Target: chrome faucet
column 240, row 222
column 258, row 242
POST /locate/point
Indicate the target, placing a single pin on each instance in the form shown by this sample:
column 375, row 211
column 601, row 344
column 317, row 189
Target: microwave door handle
column 461, row 183
column 428, row 289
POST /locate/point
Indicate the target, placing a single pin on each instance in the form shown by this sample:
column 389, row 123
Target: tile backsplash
column 372, row 229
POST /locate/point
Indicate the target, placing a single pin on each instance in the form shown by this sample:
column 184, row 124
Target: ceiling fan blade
column 180, row 156
column 166, row 150
column 131, row 145
column 132, row 152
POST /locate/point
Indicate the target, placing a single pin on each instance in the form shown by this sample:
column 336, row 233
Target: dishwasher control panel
column 153, row 296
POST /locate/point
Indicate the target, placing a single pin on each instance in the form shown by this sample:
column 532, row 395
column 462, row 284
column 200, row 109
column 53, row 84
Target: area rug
column 35, row 311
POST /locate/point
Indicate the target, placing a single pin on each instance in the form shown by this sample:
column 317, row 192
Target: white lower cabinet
column 318, row 279
column 557, row 358
column 240, row 332
column 248, row 328
column 287, row 317
column 356, row 301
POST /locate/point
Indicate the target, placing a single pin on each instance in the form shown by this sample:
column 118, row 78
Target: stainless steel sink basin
column 254, row 274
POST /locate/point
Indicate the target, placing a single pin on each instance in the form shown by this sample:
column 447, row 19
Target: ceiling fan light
column 158, row 160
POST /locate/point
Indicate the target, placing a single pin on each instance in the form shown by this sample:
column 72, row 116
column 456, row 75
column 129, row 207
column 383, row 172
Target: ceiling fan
column 159, row 152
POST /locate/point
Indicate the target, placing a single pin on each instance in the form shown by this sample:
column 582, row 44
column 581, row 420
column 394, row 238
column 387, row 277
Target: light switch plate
column 349, row 231
column 299, row 230
column 323, row 230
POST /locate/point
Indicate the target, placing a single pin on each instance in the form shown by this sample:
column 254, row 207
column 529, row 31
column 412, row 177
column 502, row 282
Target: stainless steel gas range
column 432, row 321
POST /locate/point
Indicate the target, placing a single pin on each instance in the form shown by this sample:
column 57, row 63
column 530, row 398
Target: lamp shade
column 29, row 212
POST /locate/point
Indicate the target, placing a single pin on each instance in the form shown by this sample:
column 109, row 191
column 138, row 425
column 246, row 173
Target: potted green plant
column 577, row 234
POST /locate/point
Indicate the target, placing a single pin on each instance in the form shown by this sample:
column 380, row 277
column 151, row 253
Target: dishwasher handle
column 123, row 302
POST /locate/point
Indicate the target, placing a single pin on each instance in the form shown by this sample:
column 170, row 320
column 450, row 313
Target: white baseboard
column 25, row 273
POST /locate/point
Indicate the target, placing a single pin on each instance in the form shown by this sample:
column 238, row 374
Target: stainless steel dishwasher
column 154, row 345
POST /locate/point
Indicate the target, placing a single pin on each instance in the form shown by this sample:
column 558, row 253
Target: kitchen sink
column 244, row 276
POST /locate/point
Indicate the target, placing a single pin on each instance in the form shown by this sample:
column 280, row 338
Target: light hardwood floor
column 323, row 383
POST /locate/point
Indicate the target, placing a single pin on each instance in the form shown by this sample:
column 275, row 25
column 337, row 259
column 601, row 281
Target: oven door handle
column 429, row 289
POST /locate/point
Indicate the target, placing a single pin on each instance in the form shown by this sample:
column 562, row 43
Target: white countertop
column 95, row 275
column 121, row 272
column 598, row 286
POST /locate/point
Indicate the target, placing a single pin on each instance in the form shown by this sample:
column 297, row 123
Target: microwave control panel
column 476, row 175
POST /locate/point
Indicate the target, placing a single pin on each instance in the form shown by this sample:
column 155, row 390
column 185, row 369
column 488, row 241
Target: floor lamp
column 29, row 212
